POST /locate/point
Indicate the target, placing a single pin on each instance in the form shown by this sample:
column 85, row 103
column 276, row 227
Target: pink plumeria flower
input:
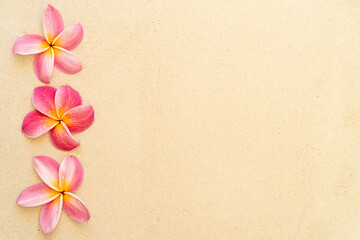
column 60, row 181
column 53, row 49
column 59, row 111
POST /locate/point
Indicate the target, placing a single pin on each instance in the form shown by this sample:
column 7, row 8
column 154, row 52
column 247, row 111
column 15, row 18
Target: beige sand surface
column 215, row 119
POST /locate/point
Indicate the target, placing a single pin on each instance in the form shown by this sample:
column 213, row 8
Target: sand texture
column 214, row 120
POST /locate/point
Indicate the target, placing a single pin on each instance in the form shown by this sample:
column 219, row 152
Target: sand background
column 214, row 119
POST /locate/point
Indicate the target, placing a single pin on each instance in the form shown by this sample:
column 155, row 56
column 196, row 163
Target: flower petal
column 66, row 62
column 75, row 208
column 79, row 118
column 44, row 100
column 48, row 170
column 53, row 23
column 44, row 65
column 30, row 44
column 36, row 195
column 36, row 124
column 62, row 139
column 66, row 98
column 70, row 38
column 50, row 214
column 71, row 174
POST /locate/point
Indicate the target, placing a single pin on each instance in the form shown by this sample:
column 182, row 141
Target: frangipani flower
column 60, row 112
column 60, row 181
column 53, row 49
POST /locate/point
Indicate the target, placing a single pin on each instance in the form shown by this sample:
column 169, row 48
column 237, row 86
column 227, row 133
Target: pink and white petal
column 66, row 62
column 36, row 124
column 79, row 118
column 44, row 65
column 44, row 101
column 62, row 139
column 75, row 208
column 36, row 195
column 48, row 170
column 71, row 174
column 66, row 98
column 30, row 44
column 53, row 23
column 50, row 214
column 70, row 38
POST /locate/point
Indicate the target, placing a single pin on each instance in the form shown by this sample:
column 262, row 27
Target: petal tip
column 14, row 48
column 44, row 80
column 49, row 6
column 27, row 135
column 82, row 29
column 37, row 89
column 36, row 159
column 87, row 218
column 23, row 131
column 19, row 202
column 45, row 229
column 78, row 70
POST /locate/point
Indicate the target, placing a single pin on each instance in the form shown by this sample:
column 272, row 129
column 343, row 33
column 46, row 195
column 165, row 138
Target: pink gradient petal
column 44, row 65
column 75, row 208
column 79, row 118
column 30, row 44
column 66, row 98
column 36, row 124
column 62, row 139
column 66, row 62
column 71, row 174
column 44, row 100
column 36, row 195
column 50, row 214
column 48, row 170
column 53, row 23
column 70, row 38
